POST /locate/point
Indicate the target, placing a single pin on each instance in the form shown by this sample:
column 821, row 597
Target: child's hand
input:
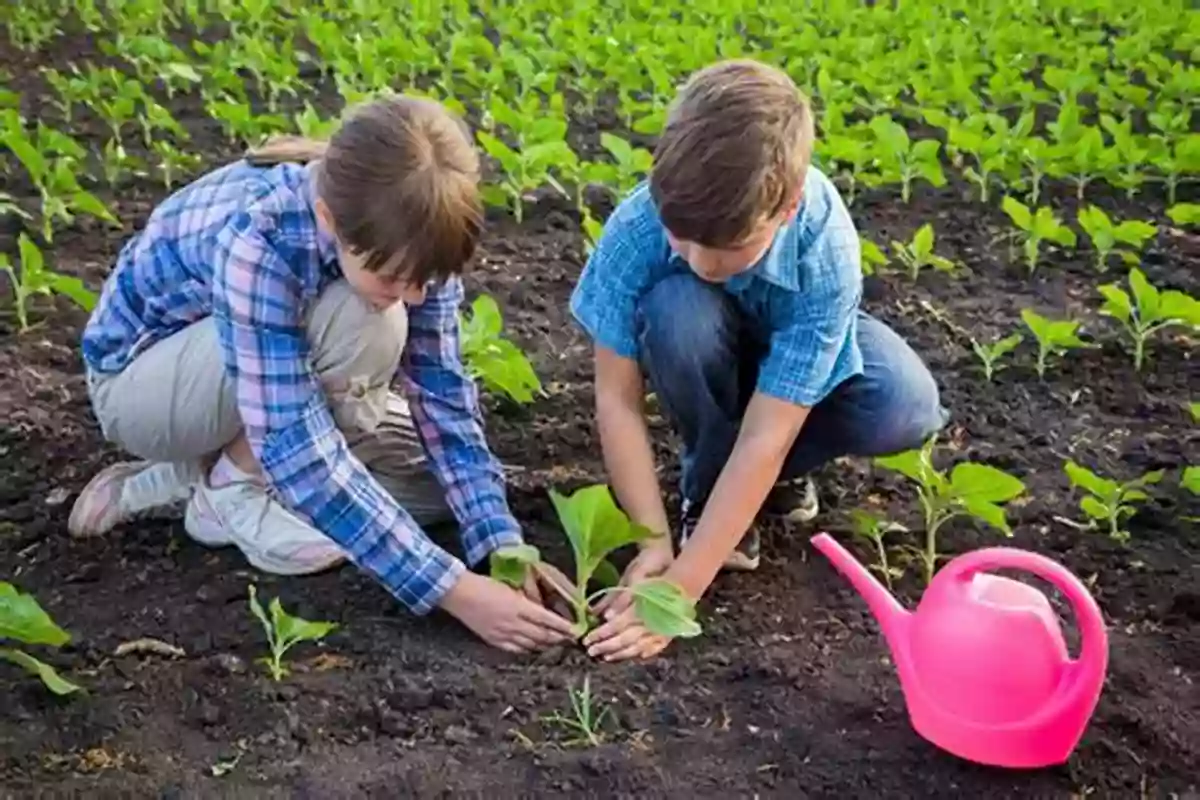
column 652, row 561
column 504, row 617
column 624, row 637
column 555, row 582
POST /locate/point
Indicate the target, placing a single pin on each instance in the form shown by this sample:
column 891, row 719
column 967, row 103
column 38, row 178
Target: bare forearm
column 736, row 498
column 769, row 429
column 629, row 459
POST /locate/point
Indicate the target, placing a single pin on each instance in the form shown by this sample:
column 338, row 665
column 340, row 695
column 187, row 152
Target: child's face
column 381, row 289
column 719, row 264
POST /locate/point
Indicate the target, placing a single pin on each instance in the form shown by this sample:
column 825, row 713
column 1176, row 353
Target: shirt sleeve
column 813, row 346
column 630, row 253
column 258, row 310
column 445, row 407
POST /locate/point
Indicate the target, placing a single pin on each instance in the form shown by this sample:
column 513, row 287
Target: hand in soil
column 624, row 637
column 504, row 617
column 558, row 584
column 651, row 562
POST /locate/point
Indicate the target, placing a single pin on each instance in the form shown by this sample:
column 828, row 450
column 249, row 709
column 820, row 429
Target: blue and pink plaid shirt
column 242, row 244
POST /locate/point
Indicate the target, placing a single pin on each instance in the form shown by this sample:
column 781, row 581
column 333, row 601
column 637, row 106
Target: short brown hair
column 736, row 147
column 401, row 179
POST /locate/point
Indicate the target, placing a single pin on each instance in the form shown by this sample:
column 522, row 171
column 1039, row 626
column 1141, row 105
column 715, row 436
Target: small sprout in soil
column 596, row 528
column 494, row 360
column 1106, row 235
column 22, row 620
column 975, row 490
column 585, row 718
column 871, row 258
column 1108, row 503
column 283, row 632
column 1035, row 227
column 1148, row 311
column 990, row 354
column 1191, row 479
column 1054, row 337
column 873, row 527
column 35, row 278
column 919, row 254
column 1185, row 214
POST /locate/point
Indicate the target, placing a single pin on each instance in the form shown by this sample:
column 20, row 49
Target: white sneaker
column 272, row 538
column 131, row 490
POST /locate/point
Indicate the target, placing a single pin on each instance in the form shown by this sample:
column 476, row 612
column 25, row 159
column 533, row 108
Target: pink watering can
column 982, row 661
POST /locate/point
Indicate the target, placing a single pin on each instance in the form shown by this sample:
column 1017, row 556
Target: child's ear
column 324, row 217
column 793, row 207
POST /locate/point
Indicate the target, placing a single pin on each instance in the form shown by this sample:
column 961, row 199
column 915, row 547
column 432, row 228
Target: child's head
column 397, row 186
column 730, row 165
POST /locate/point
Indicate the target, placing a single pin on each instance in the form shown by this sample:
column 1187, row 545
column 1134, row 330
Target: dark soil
column 788, row 694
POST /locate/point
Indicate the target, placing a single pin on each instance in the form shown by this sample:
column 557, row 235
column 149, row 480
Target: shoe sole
column 203, row 527
column 740, row 562
column 85, row 513
column 801, row 515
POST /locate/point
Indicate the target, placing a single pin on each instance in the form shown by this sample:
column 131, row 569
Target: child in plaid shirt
column 245, row 348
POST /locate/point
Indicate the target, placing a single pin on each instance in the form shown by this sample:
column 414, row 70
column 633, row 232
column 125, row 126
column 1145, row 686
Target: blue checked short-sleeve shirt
column 803, row 293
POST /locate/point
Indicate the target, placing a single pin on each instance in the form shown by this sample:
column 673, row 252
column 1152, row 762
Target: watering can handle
column 1094, row 645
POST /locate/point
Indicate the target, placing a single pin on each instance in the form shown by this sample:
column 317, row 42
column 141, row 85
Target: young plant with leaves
column 586, row 717
column 1187, row 214
column 494, row 360
column 918, row 254
column 1148, row 311
column 871, row 257
column 1106, row 235
column 1054, row 337
column 990, row 354
column 25, row 623
column 1107, row 503
column 1035, row 227
column 34, row 278
column 874, row 528
column 528, row 167
column 284, row 632
column 975, row 490
column 53, row 161
column 596, row 528
column 899, row 157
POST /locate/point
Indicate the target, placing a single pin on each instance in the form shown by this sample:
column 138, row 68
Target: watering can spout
column 887, row 611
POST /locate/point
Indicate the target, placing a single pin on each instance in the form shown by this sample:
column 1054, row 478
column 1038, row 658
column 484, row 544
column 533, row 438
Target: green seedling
column 975, row 490
column 897, row 155
column 991, row 353
column 1108, row 503
column 53, row 161
column 1035, row 228
column 494, row 360
column 23, row 621
column 871, row 257
column 34, row 278
column 919, row 254
column 1148, row 311
column 1054, row 337
column 1134, row 151
column 874, row 528
column 586, row 716
column 1106, row 235
column 284, row 632
column 596, row 527
column 1185, row 214
column 173, row 163
column 1191, row 479
column 593, row 229
column 8, row 206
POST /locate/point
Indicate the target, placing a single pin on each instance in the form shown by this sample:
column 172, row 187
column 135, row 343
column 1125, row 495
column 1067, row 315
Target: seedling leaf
column 46, row 673
column 664, row 609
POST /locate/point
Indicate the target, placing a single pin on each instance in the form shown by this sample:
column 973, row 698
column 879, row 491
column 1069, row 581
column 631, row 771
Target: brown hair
column 401, row 180
column 736, row 147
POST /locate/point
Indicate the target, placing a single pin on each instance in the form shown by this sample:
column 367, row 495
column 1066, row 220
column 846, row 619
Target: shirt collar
column 779, row 265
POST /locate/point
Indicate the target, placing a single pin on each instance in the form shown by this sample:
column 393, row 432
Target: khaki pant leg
column 175, row 402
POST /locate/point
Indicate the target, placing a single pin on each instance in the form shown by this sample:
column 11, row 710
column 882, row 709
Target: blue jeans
column 701, row 355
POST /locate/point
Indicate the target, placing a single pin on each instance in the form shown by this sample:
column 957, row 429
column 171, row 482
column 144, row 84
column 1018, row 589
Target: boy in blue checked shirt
column 245, row 347
column 732, row 283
